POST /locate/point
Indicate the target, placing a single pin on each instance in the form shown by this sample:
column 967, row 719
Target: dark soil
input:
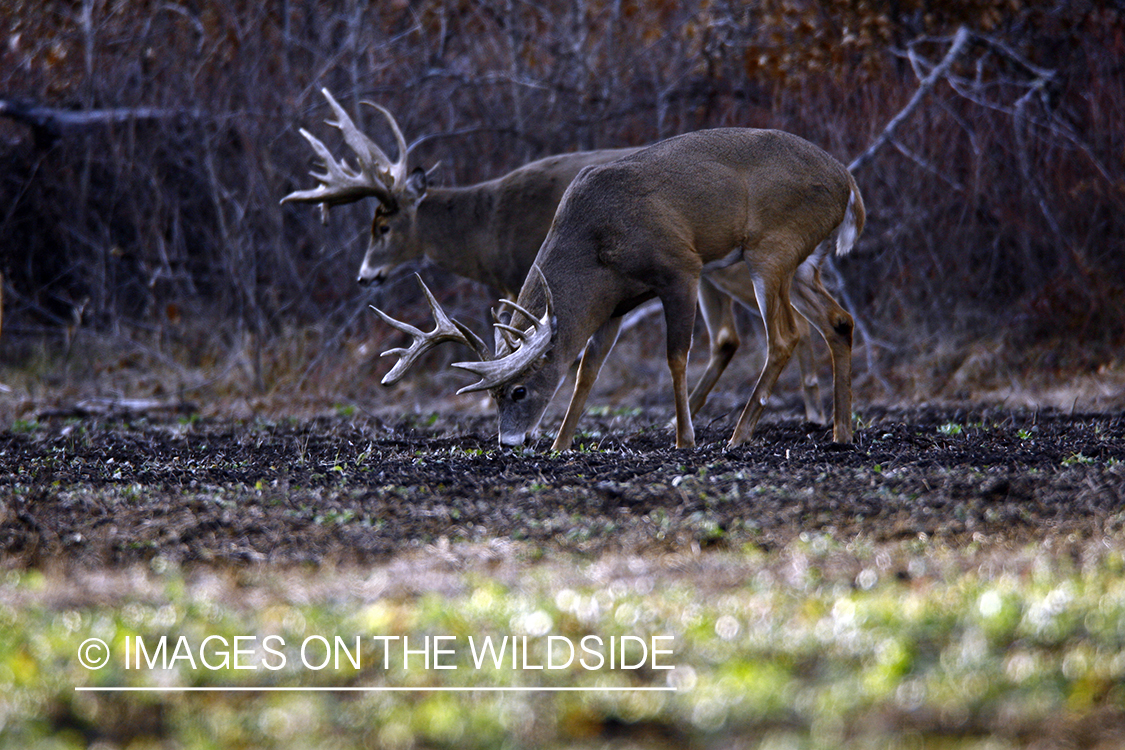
column 341, row 491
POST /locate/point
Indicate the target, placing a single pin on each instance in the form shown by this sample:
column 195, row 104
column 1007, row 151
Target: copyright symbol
column 93, row 653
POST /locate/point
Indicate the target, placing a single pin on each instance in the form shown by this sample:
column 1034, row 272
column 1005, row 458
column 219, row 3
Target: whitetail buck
column 490, row 232
column 650, row 224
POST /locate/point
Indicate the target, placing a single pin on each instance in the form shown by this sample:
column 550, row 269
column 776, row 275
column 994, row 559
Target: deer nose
column 378, row 276
column 513, row 439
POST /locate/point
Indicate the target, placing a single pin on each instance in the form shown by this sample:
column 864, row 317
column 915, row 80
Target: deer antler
column 529, row 346
column 396, row 169
column 445, row 329
column 340, row 183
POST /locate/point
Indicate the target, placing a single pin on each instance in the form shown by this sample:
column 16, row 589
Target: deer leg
column 679, row 320
column 806, row 361
column 835, row 325
column 718, row 314
column 781, row 338
column 597, row 349
column 737, row 283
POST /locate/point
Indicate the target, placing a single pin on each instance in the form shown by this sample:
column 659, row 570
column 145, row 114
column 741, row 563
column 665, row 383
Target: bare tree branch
column 926, row 165
column 960, row 41
column 54, row 119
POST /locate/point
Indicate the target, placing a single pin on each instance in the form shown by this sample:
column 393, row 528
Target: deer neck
column 577, row 312
column 455, row 229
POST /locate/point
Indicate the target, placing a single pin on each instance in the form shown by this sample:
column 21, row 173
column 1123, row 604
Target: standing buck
column 490, row 232
column 650, row 224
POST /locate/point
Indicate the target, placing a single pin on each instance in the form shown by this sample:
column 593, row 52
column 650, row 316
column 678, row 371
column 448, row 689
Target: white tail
column 647, row 225
column 848, row 231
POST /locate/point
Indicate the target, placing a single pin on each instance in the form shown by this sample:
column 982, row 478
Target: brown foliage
column 1001, row 202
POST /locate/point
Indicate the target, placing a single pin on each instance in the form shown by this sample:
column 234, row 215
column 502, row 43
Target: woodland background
column 145, row 145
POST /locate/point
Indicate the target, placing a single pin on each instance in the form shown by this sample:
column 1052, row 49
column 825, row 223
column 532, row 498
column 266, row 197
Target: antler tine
column 376, row 175
column 534, row 343
column 397, row 168
column 339, row 183
column 536, row 322
column 449, row 324
column 550, row 312
column 512, row 304
column 521, row 335
column 445, row 329
column 369, row 153
column 501, row 331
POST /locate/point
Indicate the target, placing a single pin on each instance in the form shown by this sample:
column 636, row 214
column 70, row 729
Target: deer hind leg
column 835, row 325
column 806, row 361
column 737, row 282
column 781, row 338
column 718, row 314
column 597, row 349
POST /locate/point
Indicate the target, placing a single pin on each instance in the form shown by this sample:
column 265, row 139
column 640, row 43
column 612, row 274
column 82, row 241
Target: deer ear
column 416, row 184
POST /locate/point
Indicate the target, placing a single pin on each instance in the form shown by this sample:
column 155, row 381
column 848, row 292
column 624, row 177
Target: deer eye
column 519, row 393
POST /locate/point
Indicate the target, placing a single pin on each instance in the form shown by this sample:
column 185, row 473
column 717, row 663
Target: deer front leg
column 718, row 314
column 679, row 319
column 597, row 349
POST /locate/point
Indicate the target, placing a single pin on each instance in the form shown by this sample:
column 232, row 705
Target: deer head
column 511, row 375
column 398, row 190
column 523, row 377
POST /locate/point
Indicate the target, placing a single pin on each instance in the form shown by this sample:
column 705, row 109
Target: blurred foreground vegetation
column 923, row 646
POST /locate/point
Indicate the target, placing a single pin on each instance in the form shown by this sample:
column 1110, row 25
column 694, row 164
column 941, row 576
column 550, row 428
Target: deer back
column 650, row 222
column 693, row 199
column 490, row 231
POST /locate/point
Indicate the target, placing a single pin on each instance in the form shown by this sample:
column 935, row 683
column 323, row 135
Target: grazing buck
column 650, row 224
column 490, row 232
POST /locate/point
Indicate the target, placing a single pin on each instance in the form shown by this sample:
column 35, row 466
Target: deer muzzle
column 368, row 275
column 513, row 439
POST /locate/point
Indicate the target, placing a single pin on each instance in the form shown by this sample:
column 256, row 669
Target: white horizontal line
column 241, row 689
